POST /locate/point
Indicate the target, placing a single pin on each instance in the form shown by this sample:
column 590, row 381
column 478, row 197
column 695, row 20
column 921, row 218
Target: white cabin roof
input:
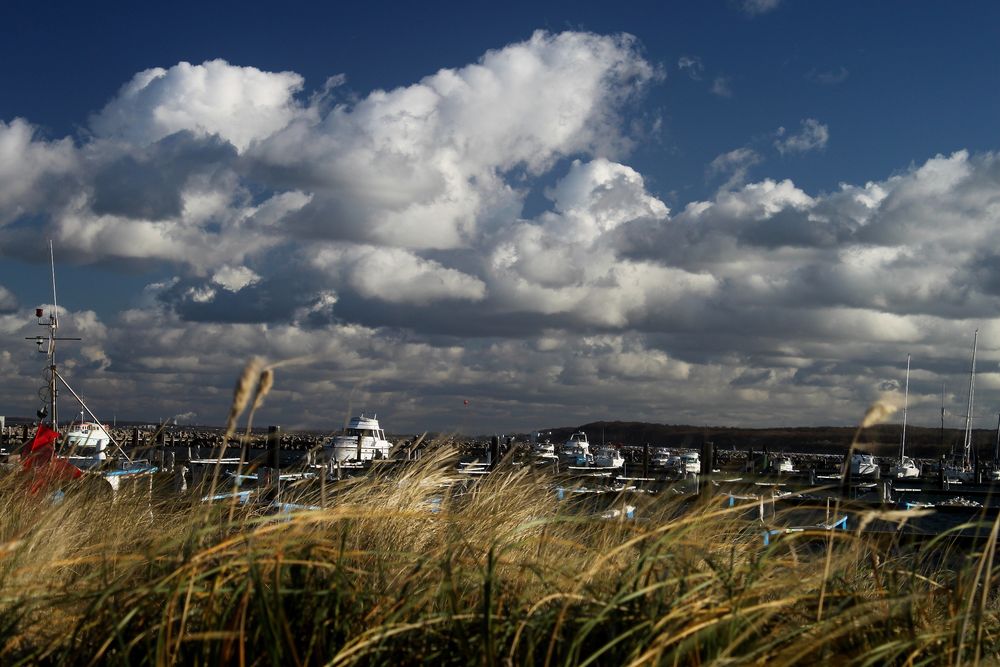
column 86, row 428
column 364, row 423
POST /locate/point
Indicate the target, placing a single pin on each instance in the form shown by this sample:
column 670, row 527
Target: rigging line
column 92, row 415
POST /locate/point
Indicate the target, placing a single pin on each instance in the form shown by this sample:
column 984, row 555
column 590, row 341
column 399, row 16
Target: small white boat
column 545, row 449
column 363, row 440
column 608, row 457
column 576, row 446
column 905, row 469
column 960, row 468
column 863, row 465
column 784, row 464
column 674, row 464
column 956, row 471
column 660, row 458
column 691, row 462
column 85, row 444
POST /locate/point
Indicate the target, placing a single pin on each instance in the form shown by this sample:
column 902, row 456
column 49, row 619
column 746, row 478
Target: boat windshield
column 364, row 433
column 82, row 441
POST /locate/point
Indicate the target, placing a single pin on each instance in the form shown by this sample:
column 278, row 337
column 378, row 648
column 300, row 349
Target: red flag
column 40, row 458
column 41, row 450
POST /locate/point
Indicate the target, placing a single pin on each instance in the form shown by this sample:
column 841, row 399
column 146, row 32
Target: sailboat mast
column 906, row 400
column 972, row 393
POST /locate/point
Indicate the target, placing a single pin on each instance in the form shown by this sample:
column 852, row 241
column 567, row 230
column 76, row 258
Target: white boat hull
column 601, row 462
column 904, row 471
column 346, row 449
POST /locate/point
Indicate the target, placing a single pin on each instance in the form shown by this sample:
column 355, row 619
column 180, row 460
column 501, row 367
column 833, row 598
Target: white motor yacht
column 576, row 446
column 784, row 464
column 363, row 440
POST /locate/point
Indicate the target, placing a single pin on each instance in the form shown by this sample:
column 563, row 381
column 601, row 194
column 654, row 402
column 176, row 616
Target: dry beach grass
column 419, row 566
column 412, row 568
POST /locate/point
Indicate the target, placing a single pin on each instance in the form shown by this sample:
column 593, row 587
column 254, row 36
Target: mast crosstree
column 49, row 345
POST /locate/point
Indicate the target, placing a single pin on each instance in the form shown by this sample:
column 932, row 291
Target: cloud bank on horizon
column 384, row 241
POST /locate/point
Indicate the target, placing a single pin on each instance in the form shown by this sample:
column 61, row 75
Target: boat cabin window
column 365, row 433
column 77, row 441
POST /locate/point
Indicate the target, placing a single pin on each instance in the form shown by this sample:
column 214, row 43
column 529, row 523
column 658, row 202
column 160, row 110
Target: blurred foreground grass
column 415, row 568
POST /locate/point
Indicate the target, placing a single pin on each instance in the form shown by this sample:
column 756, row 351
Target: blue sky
column 693, row 252
column 919, row 77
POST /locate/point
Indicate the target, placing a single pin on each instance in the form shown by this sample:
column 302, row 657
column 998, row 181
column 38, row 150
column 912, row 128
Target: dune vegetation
column 419, row 566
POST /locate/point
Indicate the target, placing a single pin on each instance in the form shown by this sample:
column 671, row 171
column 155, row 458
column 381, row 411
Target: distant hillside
column 882, row 439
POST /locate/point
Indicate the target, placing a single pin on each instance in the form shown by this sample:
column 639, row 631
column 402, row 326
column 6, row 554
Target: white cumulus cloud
column 396, row 275
column 240, row 104
column 384, row 237
column 425, row 166
column 25, row 162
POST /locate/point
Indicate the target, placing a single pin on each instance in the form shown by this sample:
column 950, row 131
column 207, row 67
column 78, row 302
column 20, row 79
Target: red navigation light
column 38, row 313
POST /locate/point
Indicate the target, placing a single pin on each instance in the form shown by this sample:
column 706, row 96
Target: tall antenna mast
column 50, row 348
column 906, row 400
column 972, row 395
column 52, row 264
column 54, row 326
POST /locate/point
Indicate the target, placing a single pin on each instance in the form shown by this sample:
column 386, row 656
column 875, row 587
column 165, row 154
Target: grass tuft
column 420, row 566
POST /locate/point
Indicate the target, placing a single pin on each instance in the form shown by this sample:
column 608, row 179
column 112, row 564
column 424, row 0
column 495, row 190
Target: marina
column 284, row 471
column 478, row 334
